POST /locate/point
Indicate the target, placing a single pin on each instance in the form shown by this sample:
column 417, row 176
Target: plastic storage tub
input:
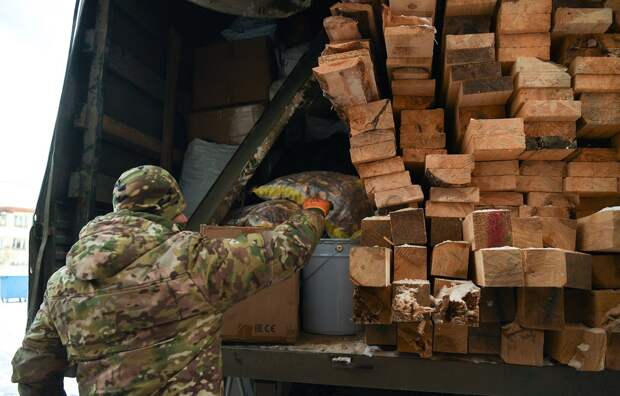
column 327, row 291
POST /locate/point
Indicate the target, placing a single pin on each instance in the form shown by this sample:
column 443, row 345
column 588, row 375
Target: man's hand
column 318, row 203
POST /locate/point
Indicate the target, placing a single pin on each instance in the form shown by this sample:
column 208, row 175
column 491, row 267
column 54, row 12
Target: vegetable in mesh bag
column 345, row 192
column 264, row 214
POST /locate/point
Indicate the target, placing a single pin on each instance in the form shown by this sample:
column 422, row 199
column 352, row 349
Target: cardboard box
column 229, row 125
column 271, row 315
column 232, row 73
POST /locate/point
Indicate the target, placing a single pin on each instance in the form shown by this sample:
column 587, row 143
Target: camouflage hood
column 145, row 199
column 110, row 243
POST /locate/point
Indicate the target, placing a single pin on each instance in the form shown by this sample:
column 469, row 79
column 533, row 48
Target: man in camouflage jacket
column 138, row 307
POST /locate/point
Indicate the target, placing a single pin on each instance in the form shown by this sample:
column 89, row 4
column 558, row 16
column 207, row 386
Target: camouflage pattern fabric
column 265, row 214
column 138, row 308
column 345, row 192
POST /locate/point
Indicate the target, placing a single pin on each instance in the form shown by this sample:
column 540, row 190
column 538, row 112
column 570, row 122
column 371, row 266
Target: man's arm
column 39, row 365
column 229, row 270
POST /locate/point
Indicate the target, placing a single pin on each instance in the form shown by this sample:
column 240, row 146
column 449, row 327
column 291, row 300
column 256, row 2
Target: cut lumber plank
column 423, row 121
column 495, row 183
column 498, row 267
column 497, row 304
column 523, row 40
column 372, row 305
column 514, row 210
column 601, row 307
column 372, row 152
column 416, row 338
column 365, row 16
column 450, row 338
column 526, row 94
column 564, row 200
column 463, row 194
column 445, row 229
column 594, row 65
column 557, row 268
column 455, row 74
column 539, row 183
column 487, row 229
column 411, row 301
column 559, row 233
column 578, row 346
column 410, row 73
column 399, row 196
column 450, row 161
column 485, row 92
column 541, row 80
column 606, row 271
column 507, row 56
column 413, row 87
column 370, row 266
column 394, row 64
column 457, row 304
column 593, row 169
column 442, row 177
column 469, row 41
column 591, row 186
column 448, row 209
column 346, row 82
column 408, row 227
column 543, row 168
column 411, row 138
column 522, row 8
column 401, row 102
column 587, row 45
column 485, row 339
column 588, row 154
column 550, row 110
column 381, row 183
column 581, row 20
column 495, row 140
column 370, row 117
column 376, row 231
column 415, row 158
column 600, row 115
column 527, row 232
column 508, row 23
column 548, row 148
column 501, row 198
column 540, row 308
column 531, row 64
column 373, row 137
column 339, row 28
column 450, row 259
column 522, row 346
column 599, row 232
column 496, row 168
column 566, row 130
column 381, row 167
column 383, row 335
column 346, row 46
column 465, row 114
column 589, row 83
column 409, row 41
column 544, row 211
column 410, row 262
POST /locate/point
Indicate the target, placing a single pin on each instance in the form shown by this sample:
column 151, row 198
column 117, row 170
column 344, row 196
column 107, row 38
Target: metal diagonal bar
column 295, row 93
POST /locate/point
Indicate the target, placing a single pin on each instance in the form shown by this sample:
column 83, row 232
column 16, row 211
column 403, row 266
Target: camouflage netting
column 345, row 192
column 264, row 214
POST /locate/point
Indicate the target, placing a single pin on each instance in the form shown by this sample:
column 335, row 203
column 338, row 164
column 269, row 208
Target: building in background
column 15, row 226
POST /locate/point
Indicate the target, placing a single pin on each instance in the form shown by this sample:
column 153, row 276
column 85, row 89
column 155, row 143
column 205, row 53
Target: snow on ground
column 12, row 327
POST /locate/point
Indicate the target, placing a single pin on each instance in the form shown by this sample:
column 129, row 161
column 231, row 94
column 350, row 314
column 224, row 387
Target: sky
column 34, row 38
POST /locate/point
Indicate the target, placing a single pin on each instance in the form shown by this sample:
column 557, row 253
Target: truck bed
column 347, row 361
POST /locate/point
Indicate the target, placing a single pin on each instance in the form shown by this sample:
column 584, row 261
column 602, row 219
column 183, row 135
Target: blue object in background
column 13, row 287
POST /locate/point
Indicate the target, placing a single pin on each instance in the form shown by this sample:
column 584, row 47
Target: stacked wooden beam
column 523, row 31
column 422, row 133
column 449, row 176
column 597, row 82
column 409, row 42
column 544, row 99
column 579, row 21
